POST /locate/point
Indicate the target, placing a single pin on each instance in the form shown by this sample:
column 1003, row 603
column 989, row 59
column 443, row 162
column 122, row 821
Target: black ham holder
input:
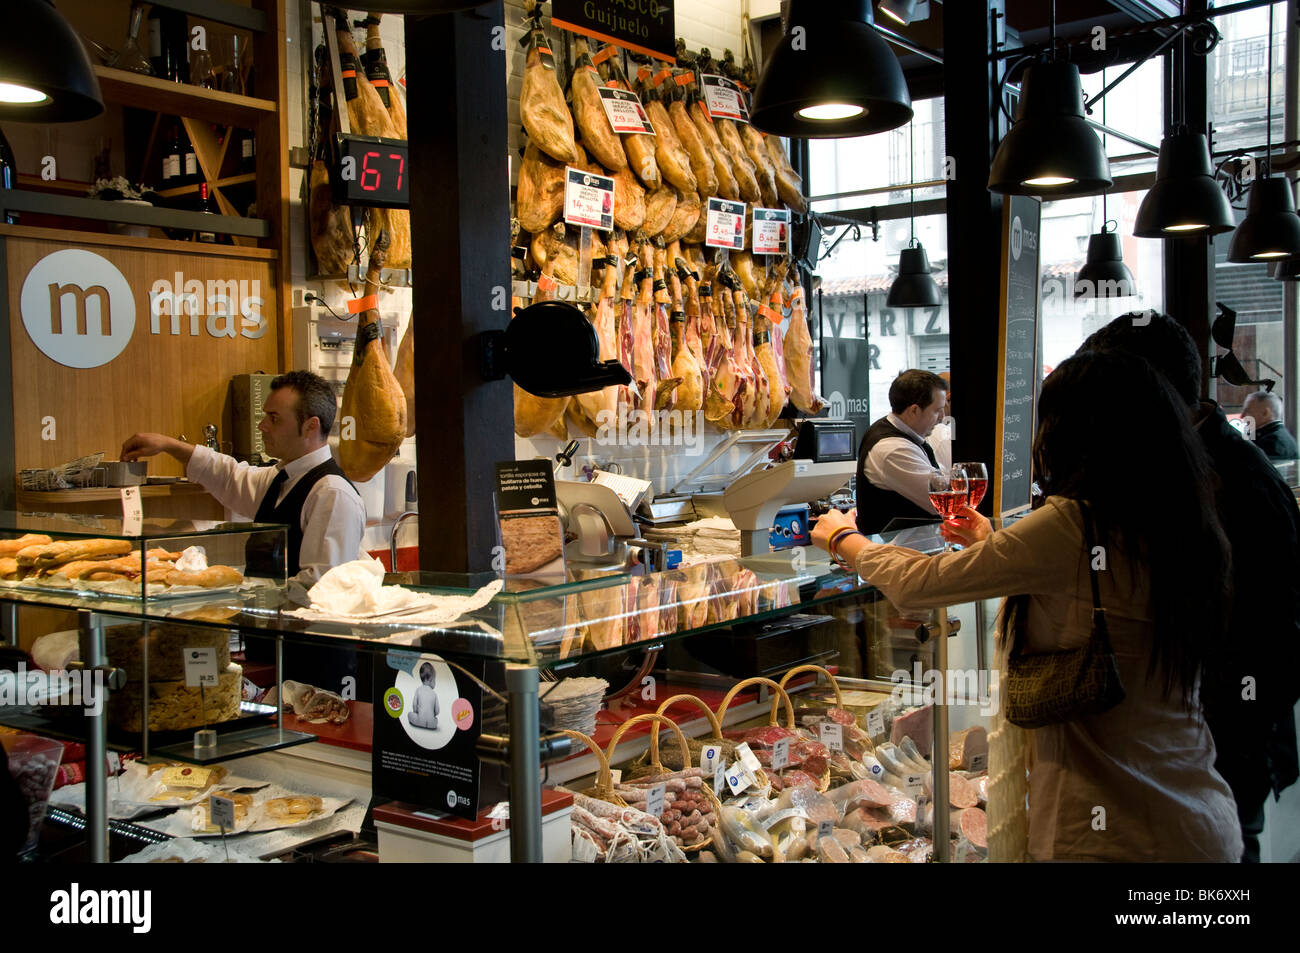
column 550, row 349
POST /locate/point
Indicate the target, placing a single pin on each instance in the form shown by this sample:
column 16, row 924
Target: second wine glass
column 949, row 492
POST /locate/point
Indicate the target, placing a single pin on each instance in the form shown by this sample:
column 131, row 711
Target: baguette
column 10, row 547
column 54, row 554
column 208, row 578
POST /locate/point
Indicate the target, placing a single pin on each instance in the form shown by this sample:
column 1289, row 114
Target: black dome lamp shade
column 1185, row 197
column 1051, row 151
column 1288, row 269
column 1104, row 274
column 1271, row 228
column 45, row 74
column 914, row 287
column 831, row 76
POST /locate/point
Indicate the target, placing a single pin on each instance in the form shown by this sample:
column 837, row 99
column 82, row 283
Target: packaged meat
column 815, row 807
column 965, row 746
column 886, row 855
column 973, row 824
column 855, row 794
column 917, row 724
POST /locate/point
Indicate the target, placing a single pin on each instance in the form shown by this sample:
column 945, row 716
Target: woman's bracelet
column 836, row 538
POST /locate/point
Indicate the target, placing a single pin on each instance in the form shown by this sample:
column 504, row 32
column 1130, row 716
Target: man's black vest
column 877, row 506
column 265, row 559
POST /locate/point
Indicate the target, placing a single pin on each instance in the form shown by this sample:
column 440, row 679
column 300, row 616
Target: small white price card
column 654, row 800
column 912, row 784
column 200, row 667
column 616, row 775
column 726, row 225
column 589, row 199
column 825, row 828
column 625, row 112
column 771, row 231
column 739, row 778
column 747, row 757
column 979, row 762
column 832, row 735
column 875, row 722
column 780, row 754
column 223, row 812
column 720, row 776
column 724, row 97
column 710, row 758
column 132, row 511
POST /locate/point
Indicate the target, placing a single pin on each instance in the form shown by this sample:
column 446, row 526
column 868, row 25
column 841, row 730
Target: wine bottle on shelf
column 190, row 171
column 208, row 207
column 172, row 158
column 169, row 44
column 247, row 152
column 8, row 174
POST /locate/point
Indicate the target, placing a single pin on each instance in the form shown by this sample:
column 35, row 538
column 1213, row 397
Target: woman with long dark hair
column 1112, row 435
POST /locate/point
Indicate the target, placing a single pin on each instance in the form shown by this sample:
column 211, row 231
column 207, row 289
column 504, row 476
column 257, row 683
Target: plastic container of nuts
column 33, row 763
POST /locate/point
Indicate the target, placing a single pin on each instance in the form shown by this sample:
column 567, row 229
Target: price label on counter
column 875, row 722
column 726, row 225
column 223, row 812
column 615, row 775
column 979, row 762
column 589, row 199
column 625, row 112
column 200, row 667
column 780, row 754
column 739, row 778
column 832, row 735
column 771, row 231
column 912, row 784
column 710, row 758
column 132, row 511
column 720, row 777
column 748, row 758
column 724, row 97
column 654, row 800
column 825, row 828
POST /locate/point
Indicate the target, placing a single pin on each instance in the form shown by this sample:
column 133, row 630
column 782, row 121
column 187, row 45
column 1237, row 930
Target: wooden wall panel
column 169, row 383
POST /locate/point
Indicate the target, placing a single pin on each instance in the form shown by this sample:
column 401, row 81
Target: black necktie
column 273, row 491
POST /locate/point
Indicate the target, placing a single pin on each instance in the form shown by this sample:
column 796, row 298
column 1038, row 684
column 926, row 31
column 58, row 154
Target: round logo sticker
column 462, row 714
column 393, row 703
column 451, row 798
column 78, row 308
column 1017, row 238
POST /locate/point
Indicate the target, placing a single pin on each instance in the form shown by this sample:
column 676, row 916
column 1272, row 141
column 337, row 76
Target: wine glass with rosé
column 949, row 491
column 977, row 479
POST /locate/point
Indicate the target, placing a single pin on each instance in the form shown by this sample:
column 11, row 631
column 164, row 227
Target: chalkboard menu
column 1017, row 353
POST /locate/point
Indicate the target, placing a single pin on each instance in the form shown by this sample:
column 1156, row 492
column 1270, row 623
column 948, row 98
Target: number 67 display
column 370, row 171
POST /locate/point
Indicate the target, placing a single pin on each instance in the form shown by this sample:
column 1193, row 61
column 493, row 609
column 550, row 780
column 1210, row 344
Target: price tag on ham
column 979, row 762
column 771, row 231
column 748, row 758
column 654, row 800
column 710, row 758
column 912, row 784
column 724, row 98
column 875, row 722
column 588, row 199
column 223, row 812
column 825, row 829
column 132, row 511
column 720, row 776
column 832, row 735
column 625, row 112
column 739, row 778
column 780, row 754
column 726, row 225
column 200, row 667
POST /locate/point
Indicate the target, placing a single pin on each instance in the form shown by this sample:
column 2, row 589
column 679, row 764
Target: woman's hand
column 967, row 527
column 830, row 523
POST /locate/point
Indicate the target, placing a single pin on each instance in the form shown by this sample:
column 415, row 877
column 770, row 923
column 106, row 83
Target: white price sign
column 780, row 754
column 979, row 762
column 200, row 667
column 726, row 225
column 654, row 800
column 588, row 199
column 724, row 97
column 625, row 112
column 223, row 812
column 825, row 828
column 739, row 778
column 912, row 784
column 720, row 776
column 748, row 758
column 710, row 758
column 832, row 735
column 875, row 722
column 132, row 511
column 771, row 231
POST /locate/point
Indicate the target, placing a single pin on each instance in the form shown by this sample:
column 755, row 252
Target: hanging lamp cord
column 1268, row 109
column 911, row 172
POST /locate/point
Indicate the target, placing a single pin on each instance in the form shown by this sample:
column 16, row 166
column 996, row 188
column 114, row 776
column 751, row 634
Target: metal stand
column 939, row 746
column 525, row 766
column 91, row 627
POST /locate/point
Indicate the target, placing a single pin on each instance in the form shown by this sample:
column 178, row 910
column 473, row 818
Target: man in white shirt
column 894, row 461
column 322, row 509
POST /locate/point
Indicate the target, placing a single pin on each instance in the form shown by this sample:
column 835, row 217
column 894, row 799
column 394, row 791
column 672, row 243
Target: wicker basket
column 649, row 763
column 801, row 669
column 656, row 769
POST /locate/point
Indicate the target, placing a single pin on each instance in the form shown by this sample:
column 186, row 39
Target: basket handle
column 604, row 780
column 759, row 680
column 699, row 703
column 655, row 767
column 799, row 670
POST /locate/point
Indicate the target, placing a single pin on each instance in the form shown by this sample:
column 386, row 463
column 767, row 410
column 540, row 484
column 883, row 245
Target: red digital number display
column 372, row 172
column 367, row 170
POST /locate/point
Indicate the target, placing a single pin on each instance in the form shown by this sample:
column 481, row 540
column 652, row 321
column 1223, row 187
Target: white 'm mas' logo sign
column 78, row 308
column 1017, row 237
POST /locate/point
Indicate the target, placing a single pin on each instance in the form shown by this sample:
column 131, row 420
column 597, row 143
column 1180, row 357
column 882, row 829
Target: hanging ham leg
column 701, row 160
column 404, row 371
column 764, row 168
column 373, row 417
column 674, row 163
column 727, row 186
column 539, row 198
column 666, row 391
column 690, row 393
column 789, row 185
column 644, row 372
column 640, row 148
column 537, row 415
column 599, row 407
column 799, row 356
column 376, row 63
column 545, row 117
column 597, row 136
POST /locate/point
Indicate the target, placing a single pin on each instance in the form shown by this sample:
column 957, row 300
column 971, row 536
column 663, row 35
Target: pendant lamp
column 1271, row 228
column 914, row 287
column 45, row 74
column 1104, row 274
column 831, row 76
column 1185, row 197
column 900, row 10
column 1288, row 269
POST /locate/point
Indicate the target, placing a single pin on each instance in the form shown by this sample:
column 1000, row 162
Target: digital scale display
column 370, row 171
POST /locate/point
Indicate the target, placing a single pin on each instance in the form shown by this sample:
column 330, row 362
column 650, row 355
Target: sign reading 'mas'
column 81, row 311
